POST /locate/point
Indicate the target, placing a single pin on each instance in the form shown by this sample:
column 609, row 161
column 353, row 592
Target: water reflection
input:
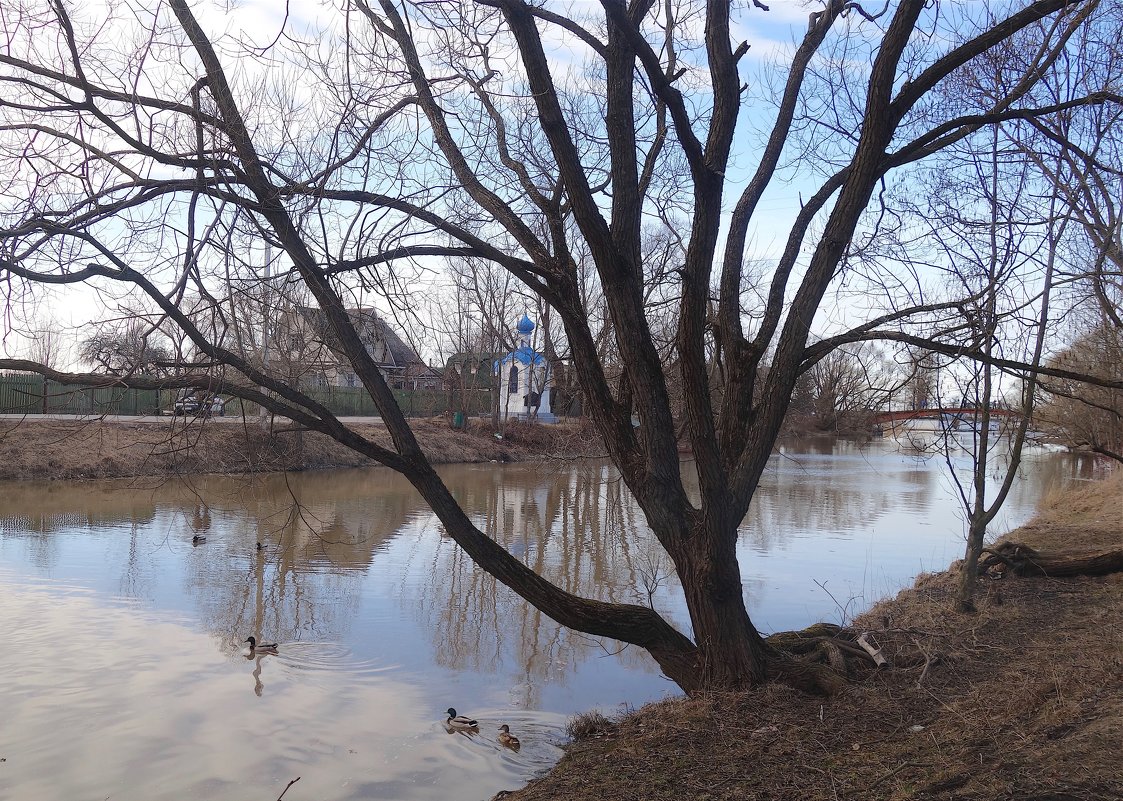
column 577, row 530
column 384, row 623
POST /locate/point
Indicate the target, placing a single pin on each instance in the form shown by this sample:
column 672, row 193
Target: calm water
column 122, row 675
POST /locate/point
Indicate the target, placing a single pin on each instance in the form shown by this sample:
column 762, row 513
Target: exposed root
column 820, row 658
column 807, row 676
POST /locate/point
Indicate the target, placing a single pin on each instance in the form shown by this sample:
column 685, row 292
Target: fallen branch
column 1021, row 560
column 894, row 772
column 873, row 650
column 929, row 660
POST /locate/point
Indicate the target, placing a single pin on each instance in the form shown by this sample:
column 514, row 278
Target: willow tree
column 166, row 151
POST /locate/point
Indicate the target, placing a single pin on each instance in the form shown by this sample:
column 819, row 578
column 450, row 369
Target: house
column 471, row 370
column 310, row 352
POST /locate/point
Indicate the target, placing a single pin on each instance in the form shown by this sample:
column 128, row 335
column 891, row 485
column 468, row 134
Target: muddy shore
column 35, row 449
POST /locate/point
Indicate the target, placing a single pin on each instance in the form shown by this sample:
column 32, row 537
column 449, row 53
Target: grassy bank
column 35, row 448
column 1023, row 700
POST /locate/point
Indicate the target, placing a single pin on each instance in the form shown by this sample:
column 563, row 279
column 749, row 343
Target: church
column 524, row 379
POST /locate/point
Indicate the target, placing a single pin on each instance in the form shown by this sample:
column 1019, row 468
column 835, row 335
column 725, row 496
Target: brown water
column 122, row 673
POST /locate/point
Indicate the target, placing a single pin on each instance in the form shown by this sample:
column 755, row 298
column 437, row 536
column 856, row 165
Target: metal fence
column 355, row 402
column 32, row 394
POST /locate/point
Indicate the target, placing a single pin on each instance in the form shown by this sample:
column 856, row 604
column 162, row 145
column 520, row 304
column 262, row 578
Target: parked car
column 199, row 403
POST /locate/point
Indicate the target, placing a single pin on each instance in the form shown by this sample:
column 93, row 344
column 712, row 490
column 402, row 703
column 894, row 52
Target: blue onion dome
column 525, row 325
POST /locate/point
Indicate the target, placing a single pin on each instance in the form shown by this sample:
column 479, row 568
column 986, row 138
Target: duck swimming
column 261, row 648
column 508, row 739
column 198, row 538
column 456, row 721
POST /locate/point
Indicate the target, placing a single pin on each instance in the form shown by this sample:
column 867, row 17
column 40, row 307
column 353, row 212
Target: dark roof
column 401, row 353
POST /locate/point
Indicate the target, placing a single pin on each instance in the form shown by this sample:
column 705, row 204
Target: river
column 123, row 674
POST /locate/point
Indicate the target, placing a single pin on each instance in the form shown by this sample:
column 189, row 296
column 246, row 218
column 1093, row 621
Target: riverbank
column 1023, row 700
column 75, row 449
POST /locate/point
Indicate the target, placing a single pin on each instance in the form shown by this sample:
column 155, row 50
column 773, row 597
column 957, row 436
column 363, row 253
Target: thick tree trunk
column 731, row 653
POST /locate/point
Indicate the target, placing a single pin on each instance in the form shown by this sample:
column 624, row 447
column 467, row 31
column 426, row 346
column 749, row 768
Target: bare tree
column 847, row 387
column 1000, row 250
column 1084, row 416
column 413, row 131
column 47, row 343
column 128, row 347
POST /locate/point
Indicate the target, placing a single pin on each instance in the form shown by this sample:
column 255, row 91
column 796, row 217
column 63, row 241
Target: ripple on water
column 328, row 658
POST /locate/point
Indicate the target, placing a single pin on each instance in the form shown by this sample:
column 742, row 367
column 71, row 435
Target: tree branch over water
column 443, row 157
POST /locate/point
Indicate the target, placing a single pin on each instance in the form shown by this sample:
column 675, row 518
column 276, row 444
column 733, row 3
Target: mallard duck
column 261, row 648
column 508, row 739
column 261, row 547
column 198, row 538
column 456, row 721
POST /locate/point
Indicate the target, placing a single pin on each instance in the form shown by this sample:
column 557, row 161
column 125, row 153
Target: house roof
column 401, row 354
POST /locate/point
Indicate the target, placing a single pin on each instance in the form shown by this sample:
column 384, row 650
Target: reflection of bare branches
column 317, row 523
column 577, row 528
column 843, row 608
column 287, row 786
column 654, row 569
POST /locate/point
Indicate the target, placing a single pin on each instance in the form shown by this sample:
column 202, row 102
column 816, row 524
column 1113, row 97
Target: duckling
column 456, row 721
column 508, row 739
column 260, row 648
column 198, row 539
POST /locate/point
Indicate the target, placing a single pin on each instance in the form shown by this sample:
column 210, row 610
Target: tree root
column 1021, row 560
column 819, row 659
column 810, row 677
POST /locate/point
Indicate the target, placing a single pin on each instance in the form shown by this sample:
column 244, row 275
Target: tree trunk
column 731, row 653
column 969, row 570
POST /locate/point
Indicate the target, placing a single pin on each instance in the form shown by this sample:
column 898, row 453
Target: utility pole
column 265, row 307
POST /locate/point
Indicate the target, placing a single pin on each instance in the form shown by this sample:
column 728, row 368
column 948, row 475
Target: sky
column 61, row 316
column 771, row 36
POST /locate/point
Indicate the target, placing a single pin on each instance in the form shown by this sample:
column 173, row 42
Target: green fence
column 31, row 394
column 355, row 402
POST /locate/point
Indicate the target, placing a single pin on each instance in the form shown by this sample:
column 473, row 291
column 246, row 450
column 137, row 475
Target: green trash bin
column 458, row 419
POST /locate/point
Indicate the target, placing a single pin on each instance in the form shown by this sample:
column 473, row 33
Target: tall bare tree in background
column 1081, row 415
column 129, row 347
column 1000, row 224
column 543, row 140
column 1081, row 158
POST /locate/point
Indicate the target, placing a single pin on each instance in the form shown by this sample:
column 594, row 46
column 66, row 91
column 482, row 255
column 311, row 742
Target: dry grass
column 588, row 725
column 1023, row 700
column 63, row 449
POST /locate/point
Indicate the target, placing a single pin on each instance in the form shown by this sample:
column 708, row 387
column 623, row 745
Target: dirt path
column 69, row 449
column 1023, row 700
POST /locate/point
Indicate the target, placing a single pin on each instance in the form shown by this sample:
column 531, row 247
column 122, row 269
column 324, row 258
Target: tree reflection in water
column 576, row 528
column 332, row 537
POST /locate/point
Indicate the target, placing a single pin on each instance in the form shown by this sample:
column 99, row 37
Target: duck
column 261, row 547
column 261, row 648
column 508, row 739
column 456, row 721
column 198, row 538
